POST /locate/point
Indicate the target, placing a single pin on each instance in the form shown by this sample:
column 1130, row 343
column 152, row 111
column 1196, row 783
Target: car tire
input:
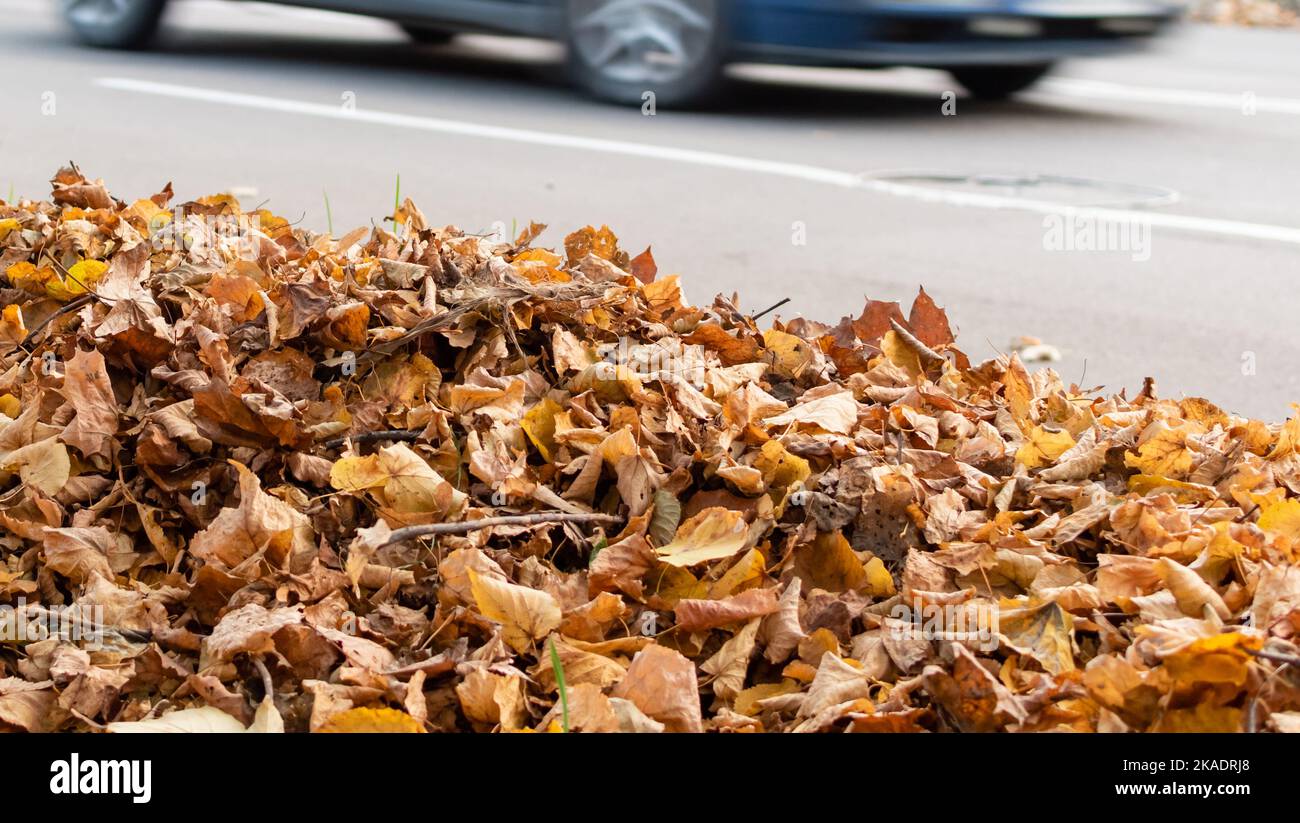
column 427, row 36
column 999, row 82
column 666, row 52
column 113, row 24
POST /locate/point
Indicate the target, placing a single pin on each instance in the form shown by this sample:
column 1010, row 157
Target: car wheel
column 999, row 82
column 114, row 24
column 428, row 36
column 620, row 50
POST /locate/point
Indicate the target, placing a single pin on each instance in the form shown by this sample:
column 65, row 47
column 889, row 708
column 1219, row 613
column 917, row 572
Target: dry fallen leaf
column 525, row 614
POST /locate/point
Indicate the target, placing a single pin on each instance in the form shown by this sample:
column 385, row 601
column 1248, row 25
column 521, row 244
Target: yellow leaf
column 880, row 583
column 713, row 534
column 1018, row 391
column 790, row 355
column 12, row 328
column 1221, row 658
column 829, row 563
column 800, row 670
column 579, row 666
column 222, row 199
column 1201, row 719
column 404, row 485
column 80, row 279
column 1045, row 633
column 747, row 569
column 747, row 699
column 780, row 468
column 1202, row 411
column 353, row 474
column 372, row 721
column 1288, row 439
column 664, row 293
column 1042, row 447
column 901, row 354
column 672, row 585
column 149, row 212
column 540, row 266
column 525, row 614
column 25, row 276
column 539, row 425
column 1145, row 484
column 1165, row 453
column 1279, row 515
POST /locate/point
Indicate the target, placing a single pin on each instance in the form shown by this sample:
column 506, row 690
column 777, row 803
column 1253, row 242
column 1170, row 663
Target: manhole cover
column 1085, row 192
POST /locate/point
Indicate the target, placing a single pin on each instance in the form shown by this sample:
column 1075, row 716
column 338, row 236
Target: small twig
column 407, row 435
column 770, row 308
column 91, row 723
column 133, row 635
column 268, row 685
column 1285, row 659
column 73, row 306
column 466, row 526
column 929, row 356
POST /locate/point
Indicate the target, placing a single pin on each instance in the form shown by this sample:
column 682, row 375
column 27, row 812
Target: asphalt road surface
column 1194, row 145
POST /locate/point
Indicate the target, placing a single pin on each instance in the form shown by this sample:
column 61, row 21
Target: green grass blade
column 558, row 668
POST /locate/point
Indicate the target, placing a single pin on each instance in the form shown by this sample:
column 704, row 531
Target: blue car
column 626, row 50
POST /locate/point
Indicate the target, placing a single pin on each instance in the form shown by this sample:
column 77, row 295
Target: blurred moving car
column 621, row 49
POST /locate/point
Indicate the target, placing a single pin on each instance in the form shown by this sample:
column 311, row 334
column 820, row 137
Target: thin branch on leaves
column 65, row 309
column 467, row 526
column 268, row 685
column 404, row 435
column 1275, row 657
column 771, row 308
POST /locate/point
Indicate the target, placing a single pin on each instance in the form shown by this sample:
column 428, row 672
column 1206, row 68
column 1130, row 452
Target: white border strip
column 797, row 171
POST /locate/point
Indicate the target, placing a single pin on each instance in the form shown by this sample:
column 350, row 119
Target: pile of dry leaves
column 1261, row 13
column 414, row 479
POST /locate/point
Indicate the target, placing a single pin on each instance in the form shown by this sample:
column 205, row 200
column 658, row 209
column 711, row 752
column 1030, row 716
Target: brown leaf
column 702, row 615
column 261, row 527
column 87, row 387
column 929, row 322
column 662, row 683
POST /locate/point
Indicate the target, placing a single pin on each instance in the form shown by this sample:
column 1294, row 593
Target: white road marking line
column 1178, row 222
column 1099, row 90
column 797, row 171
